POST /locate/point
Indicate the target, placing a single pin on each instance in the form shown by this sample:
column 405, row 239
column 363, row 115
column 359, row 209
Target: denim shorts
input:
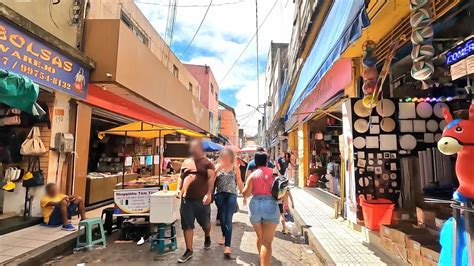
column 264, row 209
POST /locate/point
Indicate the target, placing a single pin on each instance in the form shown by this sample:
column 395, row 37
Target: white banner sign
column 133, row 201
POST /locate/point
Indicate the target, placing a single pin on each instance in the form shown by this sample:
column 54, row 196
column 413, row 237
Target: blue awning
column 343, row 25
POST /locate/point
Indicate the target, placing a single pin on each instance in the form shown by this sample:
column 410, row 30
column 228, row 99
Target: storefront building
column 47, row 57
column 137, row 78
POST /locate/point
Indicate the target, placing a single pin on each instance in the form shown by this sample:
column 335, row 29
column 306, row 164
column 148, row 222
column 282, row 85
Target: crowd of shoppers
column 201, row 183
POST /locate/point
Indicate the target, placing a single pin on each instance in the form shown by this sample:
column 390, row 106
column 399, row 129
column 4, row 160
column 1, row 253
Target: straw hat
column 422, row 35
column 422, row 70
column 369, row 101
column 417, row 4
column 369, row 86
column 360, row 109
column 370, row 73
column 369, row 61
column 420, row 18
column 422, row 52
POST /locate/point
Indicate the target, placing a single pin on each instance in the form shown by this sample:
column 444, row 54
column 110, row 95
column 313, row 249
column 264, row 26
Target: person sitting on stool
column 58, row 208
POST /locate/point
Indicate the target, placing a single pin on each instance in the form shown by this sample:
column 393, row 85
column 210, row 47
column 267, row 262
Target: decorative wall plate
column 424, row 110
column 361, row 125
column 438, row 109
column 360, row 109
column 387, row 124
column 385, row 108
column 408, row 142
column 359, row 142
column 432, row 125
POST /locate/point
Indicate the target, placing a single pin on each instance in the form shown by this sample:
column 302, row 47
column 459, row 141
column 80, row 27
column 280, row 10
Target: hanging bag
column 34, row 176
column 33, row 146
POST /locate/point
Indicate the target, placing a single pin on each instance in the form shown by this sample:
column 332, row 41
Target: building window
column 138, row 32
column 175, row 71
column 217, row 96
column 190, row 87
column 212, row 89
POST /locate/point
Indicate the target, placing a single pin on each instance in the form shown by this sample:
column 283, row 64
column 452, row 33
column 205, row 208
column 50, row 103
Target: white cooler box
column 164, row 207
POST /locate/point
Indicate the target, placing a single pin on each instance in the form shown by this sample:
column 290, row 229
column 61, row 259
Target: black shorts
column 194, row 210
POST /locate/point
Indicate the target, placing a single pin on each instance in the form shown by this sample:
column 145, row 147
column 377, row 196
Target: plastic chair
column 162, row 243
column 88, row 226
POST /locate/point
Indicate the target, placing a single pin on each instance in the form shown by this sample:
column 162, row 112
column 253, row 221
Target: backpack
column 279, row 187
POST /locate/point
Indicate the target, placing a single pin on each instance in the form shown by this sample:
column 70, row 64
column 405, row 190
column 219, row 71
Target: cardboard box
column 400, row 235
column 386, row 244
column 431, row 252
column 415, row 242
column 414, row 257
column 428, row 262
column 426, row 216
column 400, row 251
column 386, row 230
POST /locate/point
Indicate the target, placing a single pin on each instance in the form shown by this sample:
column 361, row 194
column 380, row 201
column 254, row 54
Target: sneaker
column 186, row 256
column 68, row 227
column 207, row 243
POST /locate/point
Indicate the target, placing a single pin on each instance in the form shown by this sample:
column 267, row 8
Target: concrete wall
column 205, row 77
column 38, row 12
column 229, row 126
column 111, row 9
column 131, row 65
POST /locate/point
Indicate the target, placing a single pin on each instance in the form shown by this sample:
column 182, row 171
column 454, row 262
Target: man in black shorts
column 196, row 186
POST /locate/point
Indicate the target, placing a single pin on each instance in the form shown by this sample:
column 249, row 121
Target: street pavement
column 341, row 245
column 287, row 249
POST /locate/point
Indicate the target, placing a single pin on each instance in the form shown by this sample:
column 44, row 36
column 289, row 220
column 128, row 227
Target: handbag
column 34, row 176
column 33, row 145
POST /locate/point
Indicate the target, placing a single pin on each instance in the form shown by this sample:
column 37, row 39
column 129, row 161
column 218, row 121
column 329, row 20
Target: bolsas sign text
column 28, row 56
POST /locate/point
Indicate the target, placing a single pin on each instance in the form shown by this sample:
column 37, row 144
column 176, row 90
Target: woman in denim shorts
column 263, row 209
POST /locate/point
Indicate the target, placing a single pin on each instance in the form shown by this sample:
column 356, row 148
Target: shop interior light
column 427, row 99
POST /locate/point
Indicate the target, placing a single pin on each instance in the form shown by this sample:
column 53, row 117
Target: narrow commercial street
column 287, row 249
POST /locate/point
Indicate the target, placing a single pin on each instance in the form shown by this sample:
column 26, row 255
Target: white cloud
column 224, row 34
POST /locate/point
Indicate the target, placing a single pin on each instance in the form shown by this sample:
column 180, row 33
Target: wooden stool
column 161, row 243
column 89, row 225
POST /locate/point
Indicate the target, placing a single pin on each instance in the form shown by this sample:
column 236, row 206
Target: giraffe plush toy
column 458, row 137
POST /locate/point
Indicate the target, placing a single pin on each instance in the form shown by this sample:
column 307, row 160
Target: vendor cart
column 134, row 200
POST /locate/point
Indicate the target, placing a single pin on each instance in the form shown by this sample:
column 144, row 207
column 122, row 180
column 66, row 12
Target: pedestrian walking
column 282, row 163
column 284, row 208
column 251, row 166
column 195, row 189
column 228, row 180
column 263, row 208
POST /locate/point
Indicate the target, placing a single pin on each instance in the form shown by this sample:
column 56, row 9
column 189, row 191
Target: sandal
column 222, row 241
column 227, row 253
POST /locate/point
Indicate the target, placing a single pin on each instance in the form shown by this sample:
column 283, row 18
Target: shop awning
column 148, row 130
column 342, row 26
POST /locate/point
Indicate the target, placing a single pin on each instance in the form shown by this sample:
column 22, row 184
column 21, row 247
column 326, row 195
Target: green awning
column 18, row 91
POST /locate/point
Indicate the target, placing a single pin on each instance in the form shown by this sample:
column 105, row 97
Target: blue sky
column 227, row 29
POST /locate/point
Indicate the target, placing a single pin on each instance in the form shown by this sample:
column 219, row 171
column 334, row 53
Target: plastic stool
column 162, row 243
column 108, row 220
column 89, row 225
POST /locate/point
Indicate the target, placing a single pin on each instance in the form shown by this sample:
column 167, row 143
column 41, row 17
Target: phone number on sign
column 39, row 74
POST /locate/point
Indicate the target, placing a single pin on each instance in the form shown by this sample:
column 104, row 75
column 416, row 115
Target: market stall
column 133, row 197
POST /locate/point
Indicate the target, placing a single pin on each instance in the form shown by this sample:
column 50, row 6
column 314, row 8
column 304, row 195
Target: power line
column 200, row 24
column 245, row 114
column 248, row 44
column 165, row 5
column 256, row 40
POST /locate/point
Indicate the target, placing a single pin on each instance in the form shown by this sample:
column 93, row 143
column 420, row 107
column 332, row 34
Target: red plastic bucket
column 376, row 212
